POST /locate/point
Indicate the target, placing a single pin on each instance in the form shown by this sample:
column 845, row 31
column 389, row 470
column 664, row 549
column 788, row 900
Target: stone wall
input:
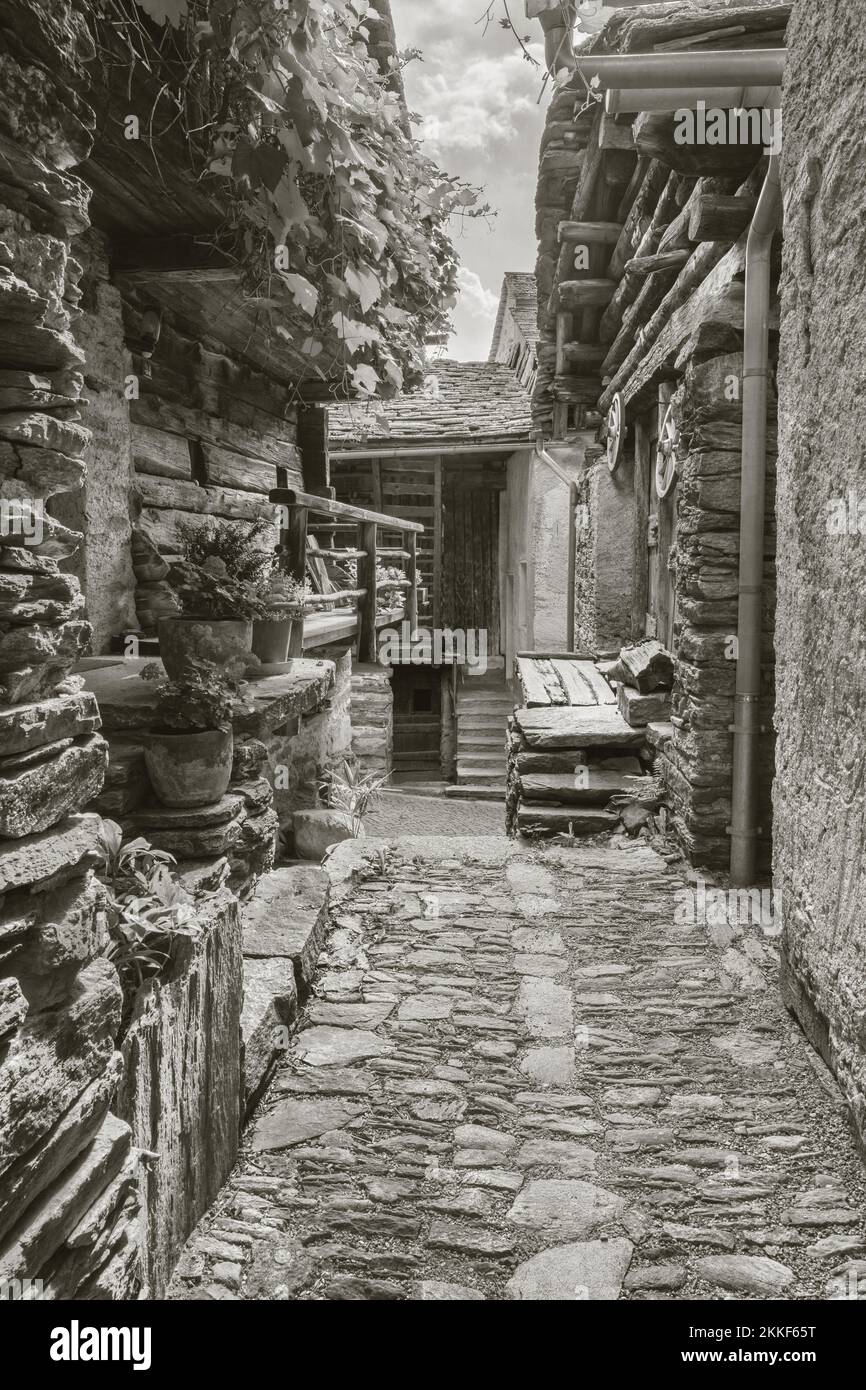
column 372, row 714
column 181, row 1087
column 697, row 762
column 604, row 571
column 68, row 1202
column 820, row 807
column 101, row 509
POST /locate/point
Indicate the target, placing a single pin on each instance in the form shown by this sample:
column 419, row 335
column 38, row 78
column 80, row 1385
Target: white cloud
column 476, row 105
column 475, row 299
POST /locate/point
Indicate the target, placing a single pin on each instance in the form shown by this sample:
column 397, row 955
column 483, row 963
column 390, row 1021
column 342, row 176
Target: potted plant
column 189, row 751
column 285, row 599
column 218, row 586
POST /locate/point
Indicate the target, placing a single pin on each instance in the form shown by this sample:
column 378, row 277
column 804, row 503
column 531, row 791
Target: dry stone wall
column 820, row 635
column 68, row 1179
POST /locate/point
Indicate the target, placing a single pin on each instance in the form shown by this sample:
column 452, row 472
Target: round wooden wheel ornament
column 667, row 457
column 615, row 432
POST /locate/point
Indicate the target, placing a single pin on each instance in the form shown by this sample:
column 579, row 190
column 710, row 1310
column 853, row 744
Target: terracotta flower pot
column 189, row 769
column 271, row 638
column 182, row 640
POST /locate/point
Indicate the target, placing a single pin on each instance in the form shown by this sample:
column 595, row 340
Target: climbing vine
column 335, row 210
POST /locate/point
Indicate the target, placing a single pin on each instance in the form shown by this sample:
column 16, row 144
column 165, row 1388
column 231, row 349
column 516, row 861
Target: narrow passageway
column 524, row 1075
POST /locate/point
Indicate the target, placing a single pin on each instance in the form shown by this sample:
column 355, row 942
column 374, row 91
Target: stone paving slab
column 633, row 1116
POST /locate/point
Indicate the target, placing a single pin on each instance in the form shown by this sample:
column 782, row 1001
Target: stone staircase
column 483, row 707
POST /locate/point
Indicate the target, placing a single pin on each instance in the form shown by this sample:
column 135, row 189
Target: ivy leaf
column 173, row 12
column 365, row 379
column 366, row 285
column 305, row 295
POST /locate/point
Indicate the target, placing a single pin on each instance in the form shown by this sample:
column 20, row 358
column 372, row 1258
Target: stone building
column 143, row 384
column 515, row 334
column 643, row 293
column 641, row 272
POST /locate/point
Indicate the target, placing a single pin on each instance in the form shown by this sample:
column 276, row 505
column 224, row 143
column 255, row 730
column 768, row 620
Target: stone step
column 480, row 776
column 486, row 757
column 601, row 726
column 476, row 791
column 575, row 820
column 479, row 724
column 595, row 788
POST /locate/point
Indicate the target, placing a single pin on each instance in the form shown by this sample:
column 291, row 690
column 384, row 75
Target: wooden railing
column 297, row 511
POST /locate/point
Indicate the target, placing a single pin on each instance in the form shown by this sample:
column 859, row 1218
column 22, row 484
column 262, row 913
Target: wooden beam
column 606, row 233
column 377, row 484
column 613, row 136
column 367, row 580
column 293, row 543
column 717, row 218
column 437, row 542
column 171, row 257
column 638, row 219
column 443, row 450
column 585, row 294
column 412, row 575
column 577, row 390
column 642, row 266
column 288, row 497
column 577, row 355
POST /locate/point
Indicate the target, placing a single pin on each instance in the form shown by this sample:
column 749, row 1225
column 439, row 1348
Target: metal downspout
column 747, row 715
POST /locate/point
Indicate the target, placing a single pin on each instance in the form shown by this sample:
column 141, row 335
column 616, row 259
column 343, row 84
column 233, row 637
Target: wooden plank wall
column 210, row 436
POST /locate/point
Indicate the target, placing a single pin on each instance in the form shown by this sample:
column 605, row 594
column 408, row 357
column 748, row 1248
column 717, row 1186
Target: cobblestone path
column 548, row 1091
column 396, row 813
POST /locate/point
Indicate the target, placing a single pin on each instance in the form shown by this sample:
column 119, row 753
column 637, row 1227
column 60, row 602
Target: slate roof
column 460, row 402
column 520, row 297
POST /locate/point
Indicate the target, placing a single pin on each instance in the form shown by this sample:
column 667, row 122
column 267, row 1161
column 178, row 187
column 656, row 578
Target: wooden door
column 470, row 553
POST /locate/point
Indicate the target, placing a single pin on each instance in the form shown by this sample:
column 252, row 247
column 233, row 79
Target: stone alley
column 518, row 1078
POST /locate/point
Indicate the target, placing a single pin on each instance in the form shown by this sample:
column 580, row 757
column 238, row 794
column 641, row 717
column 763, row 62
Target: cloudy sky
column 478, row 98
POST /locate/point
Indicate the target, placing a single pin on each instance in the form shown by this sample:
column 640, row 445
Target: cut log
column 714, row 217
column 642, row 266
column 655, row 135
column 578, row 390
column 648, row 666
column 613, row 136
column 712, row 267
column 638, row 219
column 580, row 355
column 590, row 233
column 585, row 294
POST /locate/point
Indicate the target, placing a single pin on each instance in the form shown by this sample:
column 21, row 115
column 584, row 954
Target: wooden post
column 367, row 580
column 437, row 542
column 294, row 543
column 376, row 466
column 411, row 543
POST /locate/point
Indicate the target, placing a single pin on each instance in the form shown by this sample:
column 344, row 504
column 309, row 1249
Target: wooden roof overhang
column 660, row 219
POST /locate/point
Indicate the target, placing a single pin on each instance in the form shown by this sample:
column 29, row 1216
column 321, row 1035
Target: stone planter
column 182, row 640
column 188, row 769
column 271, row 638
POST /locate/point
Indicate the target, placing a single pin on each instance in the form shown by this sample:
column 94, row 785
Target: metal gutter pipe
column 542, row 454
column 747, row 713
column 746, row 67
